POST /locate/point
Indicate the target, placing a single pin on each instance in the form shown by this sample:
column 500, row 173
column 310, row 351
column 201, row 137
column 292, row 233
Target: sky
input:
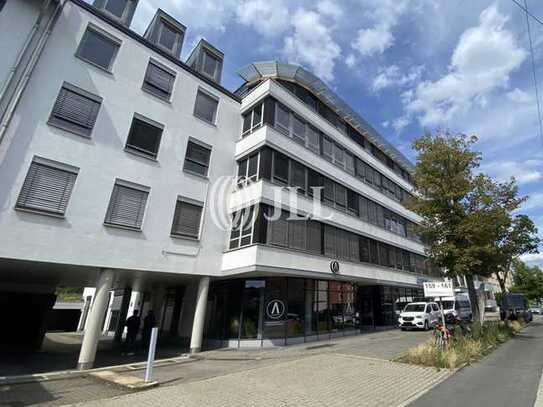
column 407, row 66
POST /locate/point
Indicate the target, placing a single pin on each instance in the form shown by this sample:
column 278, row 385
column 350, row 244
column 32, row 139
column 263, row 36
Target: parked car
column 535, row 310
column 515, row 306
column 422, row 315
column 458, row 305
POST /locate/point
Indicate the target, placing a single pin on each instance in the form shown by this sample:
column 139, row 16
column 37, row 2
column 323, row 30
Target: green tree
column 527, row 280
column 466, row 218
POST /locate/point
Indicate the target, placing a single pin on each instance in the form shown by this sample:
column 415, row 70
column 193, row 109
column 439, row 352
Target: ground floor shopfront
column 275, row 311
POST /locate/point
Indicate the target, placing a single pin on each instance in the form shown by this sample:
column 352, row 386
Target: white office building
column 116, row 168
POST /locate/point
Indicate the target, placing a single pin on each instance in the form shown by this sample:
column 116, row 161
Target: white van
column 458, row 305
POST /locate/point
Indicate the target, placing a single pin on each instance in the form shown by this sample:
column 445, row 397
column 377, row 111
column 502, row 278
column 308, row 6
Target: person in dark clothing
column 148, row 323
column 132, row 327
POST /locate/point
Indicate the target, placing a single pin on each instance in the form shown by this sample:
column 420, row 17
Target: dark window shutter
column 278, row 229
column 46, row 189
column 126, row 207
column 329, row 241
column 296, row 234
column 144, row 137
column 76, row 109
column 297, row 175
column 186, row 220
column 197, row 158
column 158, row 80
column 314, row 236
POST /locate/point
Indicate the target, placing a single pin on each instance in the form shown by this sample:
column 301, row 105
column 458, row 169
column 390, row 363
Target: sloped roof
column 275, row 69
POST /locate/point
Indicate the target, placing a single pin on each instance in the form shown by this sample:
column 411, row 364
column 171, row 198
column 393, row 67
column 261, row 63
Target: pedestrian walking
column 132, row 327
column 148, row 323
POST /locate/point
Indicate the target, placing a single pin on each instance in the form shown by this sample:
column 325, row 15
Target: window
column 187, row 217
column 98, row 49
column 168, row 36
column 352, row 202
column 159, row 81
column 354, row 247
column 252, row 168
column 47, row 187
column 206, row 107
column 314, row 236
column 278, row 228
column 327, row 148
column 313, row 139
column 328, row 191
column 282, row 119
column 298, row 130
column 349, row 162
column 280, row 168
column 296, row 234
column 144, row 137
column 341, row 196
column 252, row 120
column 75, row 110
column 127, row 205
column 211, row 66
column 197, row 158
column 297, row 176
column 364, row 249
column 339, row 157
column 329, row 241
column 364, row 212
column 115, row 7
column 314, row 181
column 242, row 227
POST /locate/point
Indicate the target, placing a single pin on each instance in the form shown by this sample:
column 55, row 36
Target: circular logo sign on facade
column 334, row 266
column 275, row 309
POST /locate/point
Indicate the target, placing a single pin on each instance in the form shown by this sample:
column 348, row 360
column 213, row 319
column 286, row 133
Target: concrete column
column 199, row 316
column 95, row 320
column 123, row 313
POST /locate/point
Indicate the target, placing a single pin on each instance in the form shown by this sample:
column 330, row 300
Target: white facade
column 44, row 251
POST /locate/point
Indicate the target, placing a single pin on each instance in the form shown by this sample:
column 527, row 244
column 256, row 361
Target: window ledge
column 168, row 101
column 40, row 212
column 183, row 237
column 101, row 68
column 69, row 129
column 203, row 177
column 115, row 226
column 211, row 124
column 140, row 154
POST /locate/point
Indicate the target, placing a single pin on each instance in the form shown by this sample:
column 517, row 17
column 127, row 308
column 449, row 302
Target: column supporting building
column 95, row 320
column 199, row 316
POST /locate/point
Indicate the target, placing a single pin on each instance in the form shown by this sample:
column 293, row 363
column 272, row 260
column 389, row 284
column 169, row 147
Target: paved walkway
column 509, row 376
column 328, row 379
column 350, row 356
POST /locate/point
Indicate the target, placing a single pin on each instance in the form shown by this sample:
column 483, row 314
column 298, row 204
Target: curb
column 68, row 374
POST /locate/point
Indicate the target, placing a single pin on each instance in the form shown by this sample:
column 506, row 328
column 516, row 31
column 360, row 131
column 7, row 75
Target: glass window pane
column 210, row 65
column 116, row 7
column 144, row 137
column 298, row 129
column 327, row 148
column 280, row 168
column 206, row 107
column 349, row 162
column 297, row 172
column 340, row 195
column 313, row 139
column 97, row 49
column 282, row 118
column 168, row 36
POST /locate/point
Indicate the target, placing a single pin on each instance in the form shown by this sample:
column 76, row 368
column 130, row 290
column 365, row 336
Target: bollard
column 151, row 355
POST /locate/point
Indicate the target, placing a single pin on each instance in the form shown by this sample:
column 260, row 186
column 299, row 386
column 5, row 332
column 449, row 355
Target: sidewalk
column 509, row 376
column 349, row 352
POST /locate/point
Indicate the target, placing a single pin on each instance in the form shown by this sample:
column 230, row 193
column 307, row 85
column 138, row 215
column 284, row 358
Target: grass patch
column 463, row 348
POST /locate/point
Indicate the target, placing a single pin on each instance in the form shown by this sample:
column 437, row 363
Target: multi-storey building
column 115, row 157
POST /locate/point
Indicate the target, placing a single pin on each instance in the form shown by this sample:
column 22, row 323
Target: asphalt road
column 507, row 377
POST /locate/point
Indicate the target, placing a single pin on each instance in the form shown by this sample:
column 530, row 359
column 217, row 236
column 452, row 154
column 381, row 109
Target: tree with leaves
column 527, row 280
column 466, row 218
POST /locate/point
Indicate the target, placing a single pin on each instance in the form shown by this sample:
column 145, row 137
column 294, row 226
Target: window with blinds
column 98, row 48
column 158, row 81
column 47, row 188
column 197, row 158
column 278, row 228
column 75, row 110
column 187, row 217
column 144, row 137
column 205, row 107
column 127, row 205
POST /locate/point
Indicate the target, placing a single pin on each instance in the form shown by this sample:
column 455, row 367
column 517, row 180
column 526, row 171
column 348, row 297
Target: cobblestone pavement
column 327, row 379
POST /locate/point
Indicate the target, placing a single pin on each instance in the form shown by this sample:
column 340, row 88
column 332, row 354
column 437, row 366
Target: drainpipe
column 29, row 68
column 22, row 51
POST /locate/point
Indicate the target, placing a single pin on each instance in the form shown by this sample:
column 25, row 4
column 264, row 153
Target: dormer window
column 207, row 60
column 121, row 10
column 168, row 37
column 116, row 7
column 166, row 32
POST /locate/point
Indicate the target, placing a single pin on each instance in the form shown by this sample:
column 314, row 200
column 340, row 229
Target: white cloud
column 535, row 259
column 269, row 18
column 350, row 61
column 482, row 62
column 311, row 43
column 392, row 76
column 399, row 123
column 524, row 172
column 330, row 9
column 378, row 38
column 519, row 96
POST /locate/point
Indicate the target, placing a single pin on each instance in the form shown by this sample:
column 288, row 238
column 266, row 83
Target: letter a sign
column 275, row 309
